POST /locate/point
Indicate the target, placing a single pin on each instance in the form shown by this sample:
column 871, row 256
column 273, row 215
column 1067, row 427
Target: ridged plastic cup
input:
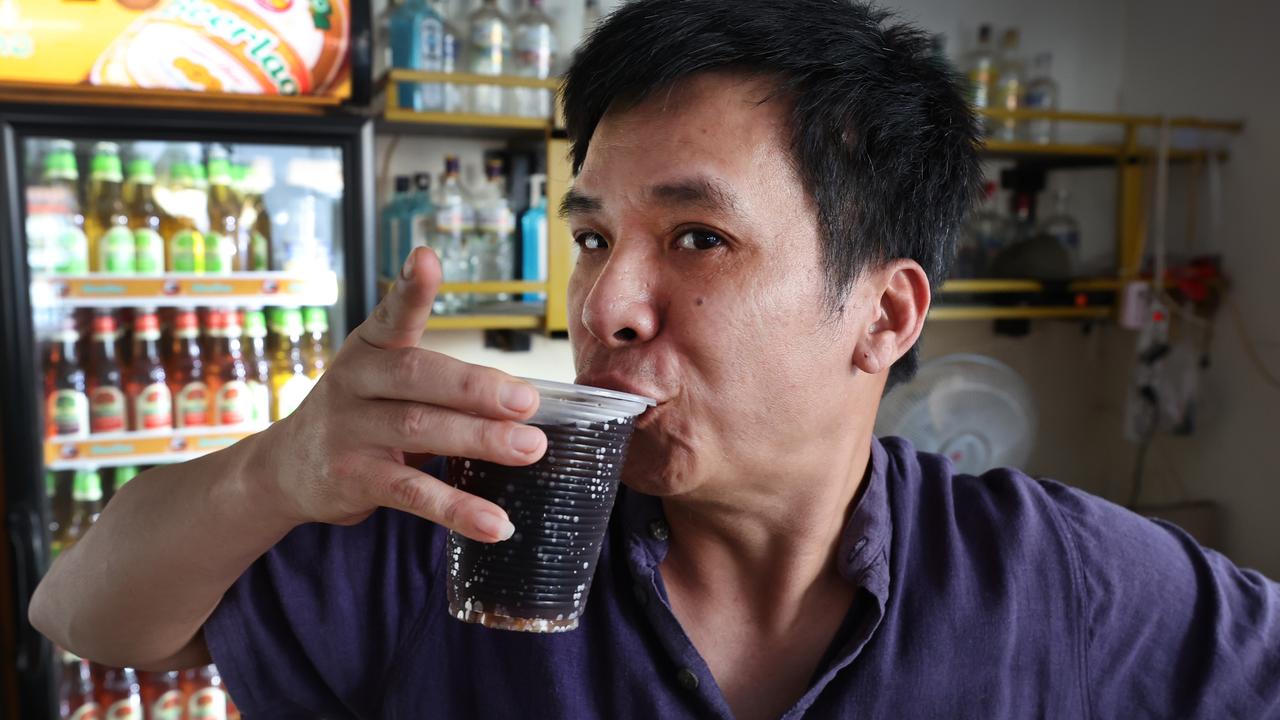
column 539, row 579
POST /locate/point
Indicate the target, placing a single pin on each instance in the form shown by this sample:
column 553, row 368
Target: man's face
column 699, row 283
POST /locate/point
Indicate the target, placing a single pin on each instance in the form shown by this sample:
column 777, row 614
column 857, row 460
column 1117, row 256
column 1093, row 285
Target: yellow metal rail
column 1017, row 313
column 485, row 322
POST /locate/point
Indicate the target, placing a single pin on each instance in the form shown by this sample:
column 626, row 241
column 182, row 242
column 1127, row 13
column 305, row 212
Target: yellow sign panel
column 261, row 47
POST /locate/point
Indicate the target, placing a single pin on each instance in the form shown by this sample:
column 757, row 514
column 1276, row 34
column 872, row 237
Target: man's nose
column 620, row 309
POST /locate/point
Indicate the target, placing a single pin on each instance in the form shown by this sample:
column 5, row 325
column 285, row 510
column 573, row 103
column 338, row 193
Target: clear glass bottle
column 1010, row 84
column 493, row 245
column 535, row 51
column 988, row 231
column 980, row 68
column 1062, row 226
column 1042, row 94
column 454, row 221
column 490, row 54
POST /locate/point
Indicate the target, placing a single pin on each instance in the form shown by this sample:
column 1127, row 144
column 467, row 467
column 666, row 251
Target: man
column 766, row 194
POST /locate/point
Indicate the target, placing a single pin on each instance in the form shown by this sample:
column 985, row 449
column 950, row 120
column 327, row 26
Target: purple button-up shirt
column 997, row 596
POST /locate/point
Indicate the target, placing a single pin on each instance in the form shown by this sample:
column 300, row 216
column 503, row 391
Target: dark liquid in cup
column 539, row 579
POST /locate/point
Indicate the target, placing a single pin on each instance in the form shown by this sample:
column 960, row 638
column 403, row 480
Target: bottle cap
column 141, row 171
column 315, row 319
column 422, row 181
column 105, row 165
column 60, row 163
column 87, row 486
column 403, row 183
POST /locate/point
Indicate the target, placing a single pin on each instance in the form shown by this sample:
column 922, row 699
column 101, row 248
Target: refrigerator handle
column 25, row 538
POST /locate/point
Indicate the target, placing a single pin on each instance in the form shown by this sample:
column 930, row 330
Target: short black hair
column 882, row 133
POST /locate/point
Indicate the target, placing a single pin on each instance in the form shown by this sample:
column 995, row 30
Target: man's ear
column 900, row 295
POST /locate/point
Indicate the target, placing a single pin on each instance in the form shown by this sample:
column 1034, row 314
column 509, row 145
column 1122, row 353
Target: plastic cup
column 538, row 580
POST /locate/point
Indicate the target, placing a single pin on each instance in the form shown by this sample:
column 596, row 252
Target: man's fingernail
column 517, row 396
column 494, row 525
column 406, row 272
column 526, row 439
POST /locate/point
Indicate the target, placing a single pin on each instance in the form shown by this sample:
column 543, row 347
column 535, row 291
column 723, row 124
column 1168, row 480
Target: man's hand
column 341, row 454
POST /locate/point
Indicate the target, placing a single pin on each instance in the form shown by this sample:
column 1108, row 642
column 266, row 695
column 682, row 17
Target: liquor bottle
column 220, row 250
column 107, row 411
column 417, row 43
column 68, row 246
column 316, row 349
column 1062, row 226
column 533, row 236
column 150, row 400
column 490, row 55
column 144, row 218
column 258, row 366
column 107, row 222
column 162, row 695
column 65, row 389
column 455, row 221
column 492, row 248
column 75, row 690
column 453, row 43
column 1042, row 94
column 233, row 399
column 417, row 219
column 186, row 373
column 988, row 231
column 980, row 67
column 186, row 217
column 289, row 381
column 392, row 252
column 120, row 694
column 535, row 55
column 206, row 695
column 254, row 221
column 1010, row 85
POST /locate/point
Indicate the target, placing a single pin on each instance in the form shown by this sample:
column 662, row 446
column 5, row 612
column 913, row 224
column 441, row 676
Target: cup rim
column 590, row 394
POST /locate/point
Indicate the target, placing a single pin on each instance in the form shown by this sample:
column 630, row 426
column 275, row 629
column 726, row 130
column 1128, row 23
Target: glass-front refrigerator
column 170, row 282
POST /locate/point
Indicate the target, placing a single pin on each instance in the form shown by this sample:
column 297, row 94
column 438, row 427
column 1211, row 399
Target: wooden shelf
column 139, row 448
column 287, row 289
column 95, row 95
column 397, row 119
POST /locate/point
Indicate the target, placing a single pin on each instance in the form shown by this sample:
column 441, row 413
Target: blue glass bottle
column 392, row 251
column 533, row 237
column 418, row 43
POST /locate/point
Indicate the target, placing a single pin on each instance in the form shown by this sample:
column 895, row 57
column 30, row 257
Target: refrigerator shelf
column 139, row 448
column 182, row 290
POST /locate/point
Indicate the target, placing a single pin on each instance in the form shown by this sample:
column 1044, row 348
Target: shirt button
column 642, row 597
column 659, row 531
column 687, row 679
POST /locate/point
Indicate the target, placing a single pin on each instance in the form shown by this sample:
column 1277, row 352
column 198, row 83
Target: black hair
column 882, row 134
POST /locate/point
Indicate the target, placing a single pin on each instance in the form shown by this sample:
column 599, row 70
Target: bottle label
column 208, row 703
column 234, row 403
column 168, row 706
column 87, row 711
column 71, row 248
column 193, row 405
column 292, row 393
column 450, row 219
column 116, row 246
column 153, row 409
column 258, row 251
column 535, row 49
column 106, row 410
column 219, row 251
column 148, row 248
column 490, row 45
column 261, row 395
column 70, row 412
column 186, row 251
column 127, row 709
column 497, row 220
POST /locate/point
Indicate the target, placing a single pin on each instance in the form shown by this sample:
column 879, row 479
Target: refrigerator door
column 170, row 283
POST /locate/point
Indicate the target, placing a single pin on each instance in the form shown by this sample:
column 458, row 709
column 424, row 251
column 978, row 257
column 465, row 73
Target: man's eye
column 699, row 240
column 590, row 241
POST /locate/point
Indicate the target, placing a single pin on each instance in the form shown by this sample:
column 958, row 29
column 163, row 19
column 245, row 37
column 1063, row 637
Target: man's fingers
column 398, row 321
column 406, row 489
column 429, row 377
column 418, row 428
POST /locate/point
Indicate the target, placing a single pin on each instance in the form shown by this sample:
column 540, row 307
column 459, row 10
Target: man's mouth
column 620, row 383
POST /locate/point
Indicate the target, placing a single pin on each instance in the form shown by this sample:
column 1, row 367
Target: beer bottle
column 106, row 389
column 206, row 697
column 144, row 218
column 66, row 402
column 124, row 474
column 233, row 399
column 162, row 695
column 107, row 222
column 316, row 350
column 120, row 695
column 86, row 504
column 150, row 401
column 70, row 246
column 179, row 224
column 75, row 690
column 224, row 216
column 253, row 213
column 289, row 380
column 186, row 374
column 259, row 367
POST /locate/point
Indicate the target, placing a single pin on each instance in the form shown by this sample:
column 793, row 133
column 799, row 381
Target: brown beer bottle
column 144, row 218
column 186, row 374
column 162, row 695
column 75, row 690
column 232, row 399
column 150, row 401
column 206, row 697
column 107, row 222
column 120, row 695
column 220, row 246
column 106, row 389
column 66, row 402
